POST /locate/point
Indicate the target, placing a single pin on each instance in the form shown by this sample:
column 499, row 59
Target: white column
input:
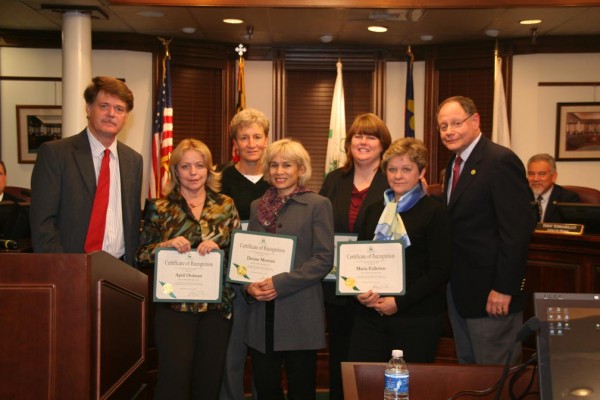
column 77, row 69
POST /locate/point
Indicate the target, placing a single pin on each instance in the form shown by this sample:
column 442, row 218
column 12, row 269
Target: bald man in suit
column 64, row 179
column 490, row 213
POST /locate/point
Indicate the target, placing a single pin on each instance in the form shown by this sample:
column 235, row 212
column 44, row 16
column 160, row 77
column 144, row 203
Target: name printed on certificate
column 255, row 256
column 371, row 265
column 187, row 277
column 339, row 237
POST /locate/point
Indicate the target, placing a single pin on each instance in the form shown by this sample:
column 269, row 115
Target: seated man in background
column 5, row 196
column 541, row 174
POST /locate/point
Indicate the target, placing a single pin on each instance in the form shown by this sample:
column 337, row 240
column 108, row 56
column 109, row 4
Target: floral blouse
column 170, row 217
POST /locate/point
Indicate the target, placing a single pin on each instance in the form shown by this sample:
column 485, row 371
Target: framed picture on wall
column 577, row 131
column 35, row 126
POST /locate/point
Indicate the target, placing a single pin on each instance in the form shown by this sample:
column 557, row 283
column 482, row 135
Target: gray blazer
column 63, row 185
column 299, row 310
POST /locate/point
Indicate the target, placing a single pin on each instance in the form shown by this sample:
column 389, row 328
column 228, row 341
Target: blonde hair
column 290, row 150
column 213, row 181
column 247, row 117
column 413, row 148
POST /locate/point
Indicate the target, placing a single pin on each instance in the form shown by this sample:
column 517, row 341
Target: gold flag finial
column 166, row 44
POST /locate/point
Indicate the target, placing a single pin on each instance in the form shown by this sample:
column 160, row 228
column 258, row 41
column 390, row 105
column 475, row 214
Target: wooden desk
column 364, row 381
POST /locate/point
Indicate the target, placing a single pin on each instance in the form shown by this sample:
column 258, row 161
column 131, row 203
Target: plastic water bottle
column 396, row 378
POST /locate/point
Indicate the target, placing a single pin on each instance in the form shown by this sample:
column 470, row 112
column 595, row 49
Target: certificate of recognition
column 187, row 277
column 254, row 256
column 339, row 237
column 371, row 265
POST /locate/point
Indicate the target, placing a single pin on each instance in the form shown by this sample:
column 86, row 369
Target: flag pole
column 162, row 134
column 241, row 95
column 409, row 109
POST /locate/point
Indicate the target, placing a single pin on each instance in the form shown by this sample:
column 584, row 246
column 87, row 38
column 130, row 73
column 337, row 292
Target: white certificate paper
column 371, row 265
column 339, row 237
column 255, row 256
column 186, row 277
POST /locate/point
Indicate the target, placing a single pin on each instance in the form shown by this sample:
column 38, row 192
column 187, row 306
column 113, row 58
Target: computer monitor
column 581, row 213
column 568, row 345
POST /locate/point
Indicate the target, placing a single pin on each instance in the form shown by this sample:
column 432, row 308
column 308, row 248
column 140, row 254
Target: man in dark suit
column 5, row 196
column 489, row 207
column 65, row 175
column 541, row 174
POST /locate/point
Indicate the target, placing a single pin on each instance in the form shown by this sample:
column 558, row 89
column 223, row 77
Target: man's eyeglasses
column 453, row 125
column 120, row 110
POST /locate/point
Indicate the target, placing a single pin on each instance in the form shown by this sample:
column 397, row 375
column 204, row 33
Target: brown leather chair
column 586, row 194
column 435, row 189
column 19, row 192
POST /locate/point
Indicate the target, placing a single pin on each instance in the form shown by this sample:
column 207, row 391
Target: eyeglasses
column 120, row 110
column 453, row 125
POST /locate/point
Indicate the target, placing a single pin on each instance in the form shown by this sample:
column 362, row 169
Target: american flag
column 162, row 133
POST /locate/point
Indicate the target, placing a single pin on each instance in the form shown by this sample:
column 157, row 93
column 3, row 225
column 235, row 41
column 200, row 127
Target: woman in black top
column 243, row 182
column 412, row 322
column 351, row 189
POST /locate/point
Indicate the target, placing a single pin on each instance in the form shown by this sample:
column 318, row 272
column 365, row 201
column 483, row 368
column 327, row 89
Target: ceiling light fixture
column 189, row 29
column 426, row 38
column 492, row 32
column 582, row 391
column 530, row 21
column 233, row 21
column 378, row 29
column 327, row 38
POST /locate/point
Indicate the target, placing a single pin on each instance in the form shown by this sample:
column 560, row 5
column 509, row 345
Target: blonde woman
column 191, row 338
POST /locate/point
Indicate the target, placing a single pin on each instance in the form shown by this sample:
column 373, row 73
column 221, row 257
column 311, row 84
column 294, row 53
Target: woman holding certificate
column 191, row 337
column 413, row 322
column 286, row 322
column 351, row 189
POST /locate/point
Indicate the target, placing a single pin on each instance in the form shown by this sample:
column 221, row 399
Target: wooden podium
column 364, row 381
column 72, row 326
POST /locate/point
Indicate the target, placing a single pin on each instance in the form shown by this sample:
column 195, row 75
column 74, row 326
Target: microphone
column 8, row 244
column 530, row 326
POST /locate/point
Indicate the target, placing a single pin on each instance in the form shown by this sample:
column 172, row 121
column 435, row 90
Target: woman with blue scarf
column 413, row 322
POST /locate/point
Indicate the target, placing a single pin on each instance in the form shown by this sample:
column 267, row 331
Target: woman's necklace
column 198, row 203
column 192, row 206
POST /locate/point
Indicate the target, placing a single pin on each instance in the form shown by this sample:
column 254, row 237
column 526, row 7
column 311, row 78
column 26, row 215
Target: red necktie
column 95, row 234
column 455, row 172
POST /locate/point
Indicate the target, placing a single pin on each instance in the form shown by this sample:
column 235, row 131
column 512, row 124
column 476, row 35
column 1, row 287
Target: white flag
column 500, row 128
column 336, row 155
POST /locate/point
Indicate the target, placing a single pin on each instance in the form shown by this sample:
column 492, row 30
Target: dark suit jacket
column 491, row 227
column 558, row 195
column 63, row 185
